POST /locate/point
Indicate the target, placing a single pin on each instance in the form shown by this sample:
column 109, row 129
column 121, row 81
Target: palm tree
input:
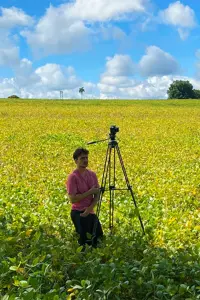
column 81, row 91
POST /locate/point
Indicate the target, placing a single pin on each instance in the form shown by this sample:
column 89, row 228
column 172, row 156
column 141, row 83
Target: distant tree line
column 14, row 97
column 180, row 89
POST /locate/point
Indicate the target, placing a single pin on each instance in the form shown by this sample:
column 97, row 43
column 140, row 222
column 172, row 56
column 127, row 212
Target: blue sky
column 130, row 49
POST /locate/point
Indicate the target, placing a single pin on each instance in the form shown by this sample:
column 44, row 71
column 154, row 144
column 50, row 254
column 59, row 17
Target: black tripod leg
column 104, row 179
column 112, row 190
column 129, row 186
column 102, row 189
column 110, row 193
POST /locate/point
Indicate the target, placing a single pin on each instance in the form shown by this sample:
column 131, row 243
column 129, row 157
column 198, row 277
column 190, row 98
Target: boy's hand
column 86, row 212
column 94, row 190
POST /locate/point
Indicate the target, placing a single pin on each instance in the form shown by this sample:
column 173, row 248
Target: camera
column 113, row 131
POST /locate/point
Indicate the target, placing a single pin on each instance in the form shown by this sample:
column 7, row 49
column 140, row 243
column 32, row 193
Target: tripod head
column 112, row 136
column 113, row 130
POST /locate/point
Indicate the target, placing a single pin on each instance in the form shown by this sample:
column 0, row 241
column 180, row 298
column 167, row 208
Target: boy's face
column 82, row 161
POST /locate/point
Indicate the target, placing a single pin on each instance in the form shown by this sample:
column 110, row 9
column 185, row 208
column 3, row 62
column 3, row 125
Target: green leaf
column 83, row 283
column 13, row 268
column 182, row 289
column 6, row 297
column 16, row 282
column 12, row 259
column 79, row 249
column 24, row 283
column 89, row 236
column 77, row 287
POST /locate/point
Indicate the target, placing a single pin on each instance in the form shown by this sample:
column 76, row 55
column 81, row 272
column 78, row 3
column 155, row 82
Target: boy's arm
column 78, row 197
column 90, row 208
column 95, row 199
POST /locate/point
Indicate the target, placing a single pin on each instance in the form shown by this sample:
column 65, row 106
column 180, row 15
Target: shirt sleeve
column 71, row 185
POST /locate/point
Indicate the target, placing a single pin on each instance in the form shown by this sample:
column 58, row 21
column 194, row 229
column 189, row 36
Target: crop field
column 160, row 146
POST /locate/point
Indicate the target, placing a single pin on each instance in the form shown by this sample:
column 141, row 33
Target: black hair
column 79, row 151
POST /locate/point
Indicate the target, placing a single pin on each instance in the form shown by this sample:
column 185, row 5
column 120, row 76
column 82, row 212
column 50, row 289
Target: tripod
column 112, row 150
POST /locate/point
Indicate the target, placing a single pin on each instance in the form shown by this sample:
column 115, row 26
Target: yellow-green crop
column 160, row 146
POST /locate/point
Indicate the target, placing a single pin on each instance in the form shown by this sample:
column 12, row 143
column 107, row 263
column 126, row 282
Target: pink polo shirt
column 78, row 183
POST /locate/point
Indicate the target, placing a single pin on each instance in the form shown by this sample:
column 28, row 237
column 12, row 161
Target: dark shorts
column 85, row 228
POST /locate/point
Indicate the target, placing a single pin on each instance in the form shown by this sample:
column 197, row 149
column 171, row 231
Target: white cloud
column 181, row 16
column 25, row 77
column 44, row 82
column 104, row 10
column 9, row 56
column 194, row 82
column 118, row 70
column 7, row 87
column 11, row 17
column 156, row 62
column 57, row 33
column 158, row 66
column 56, row 77
column 110, row 32
column 152, row 88
column 9, row 52
column 70, row 27
column 91, row 91
column 119, row 81
column 119, row 65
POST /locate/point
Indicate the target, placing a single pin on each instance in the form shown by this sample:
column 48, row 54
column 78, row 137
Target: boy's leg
column 76, row 219
column 88, row 225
